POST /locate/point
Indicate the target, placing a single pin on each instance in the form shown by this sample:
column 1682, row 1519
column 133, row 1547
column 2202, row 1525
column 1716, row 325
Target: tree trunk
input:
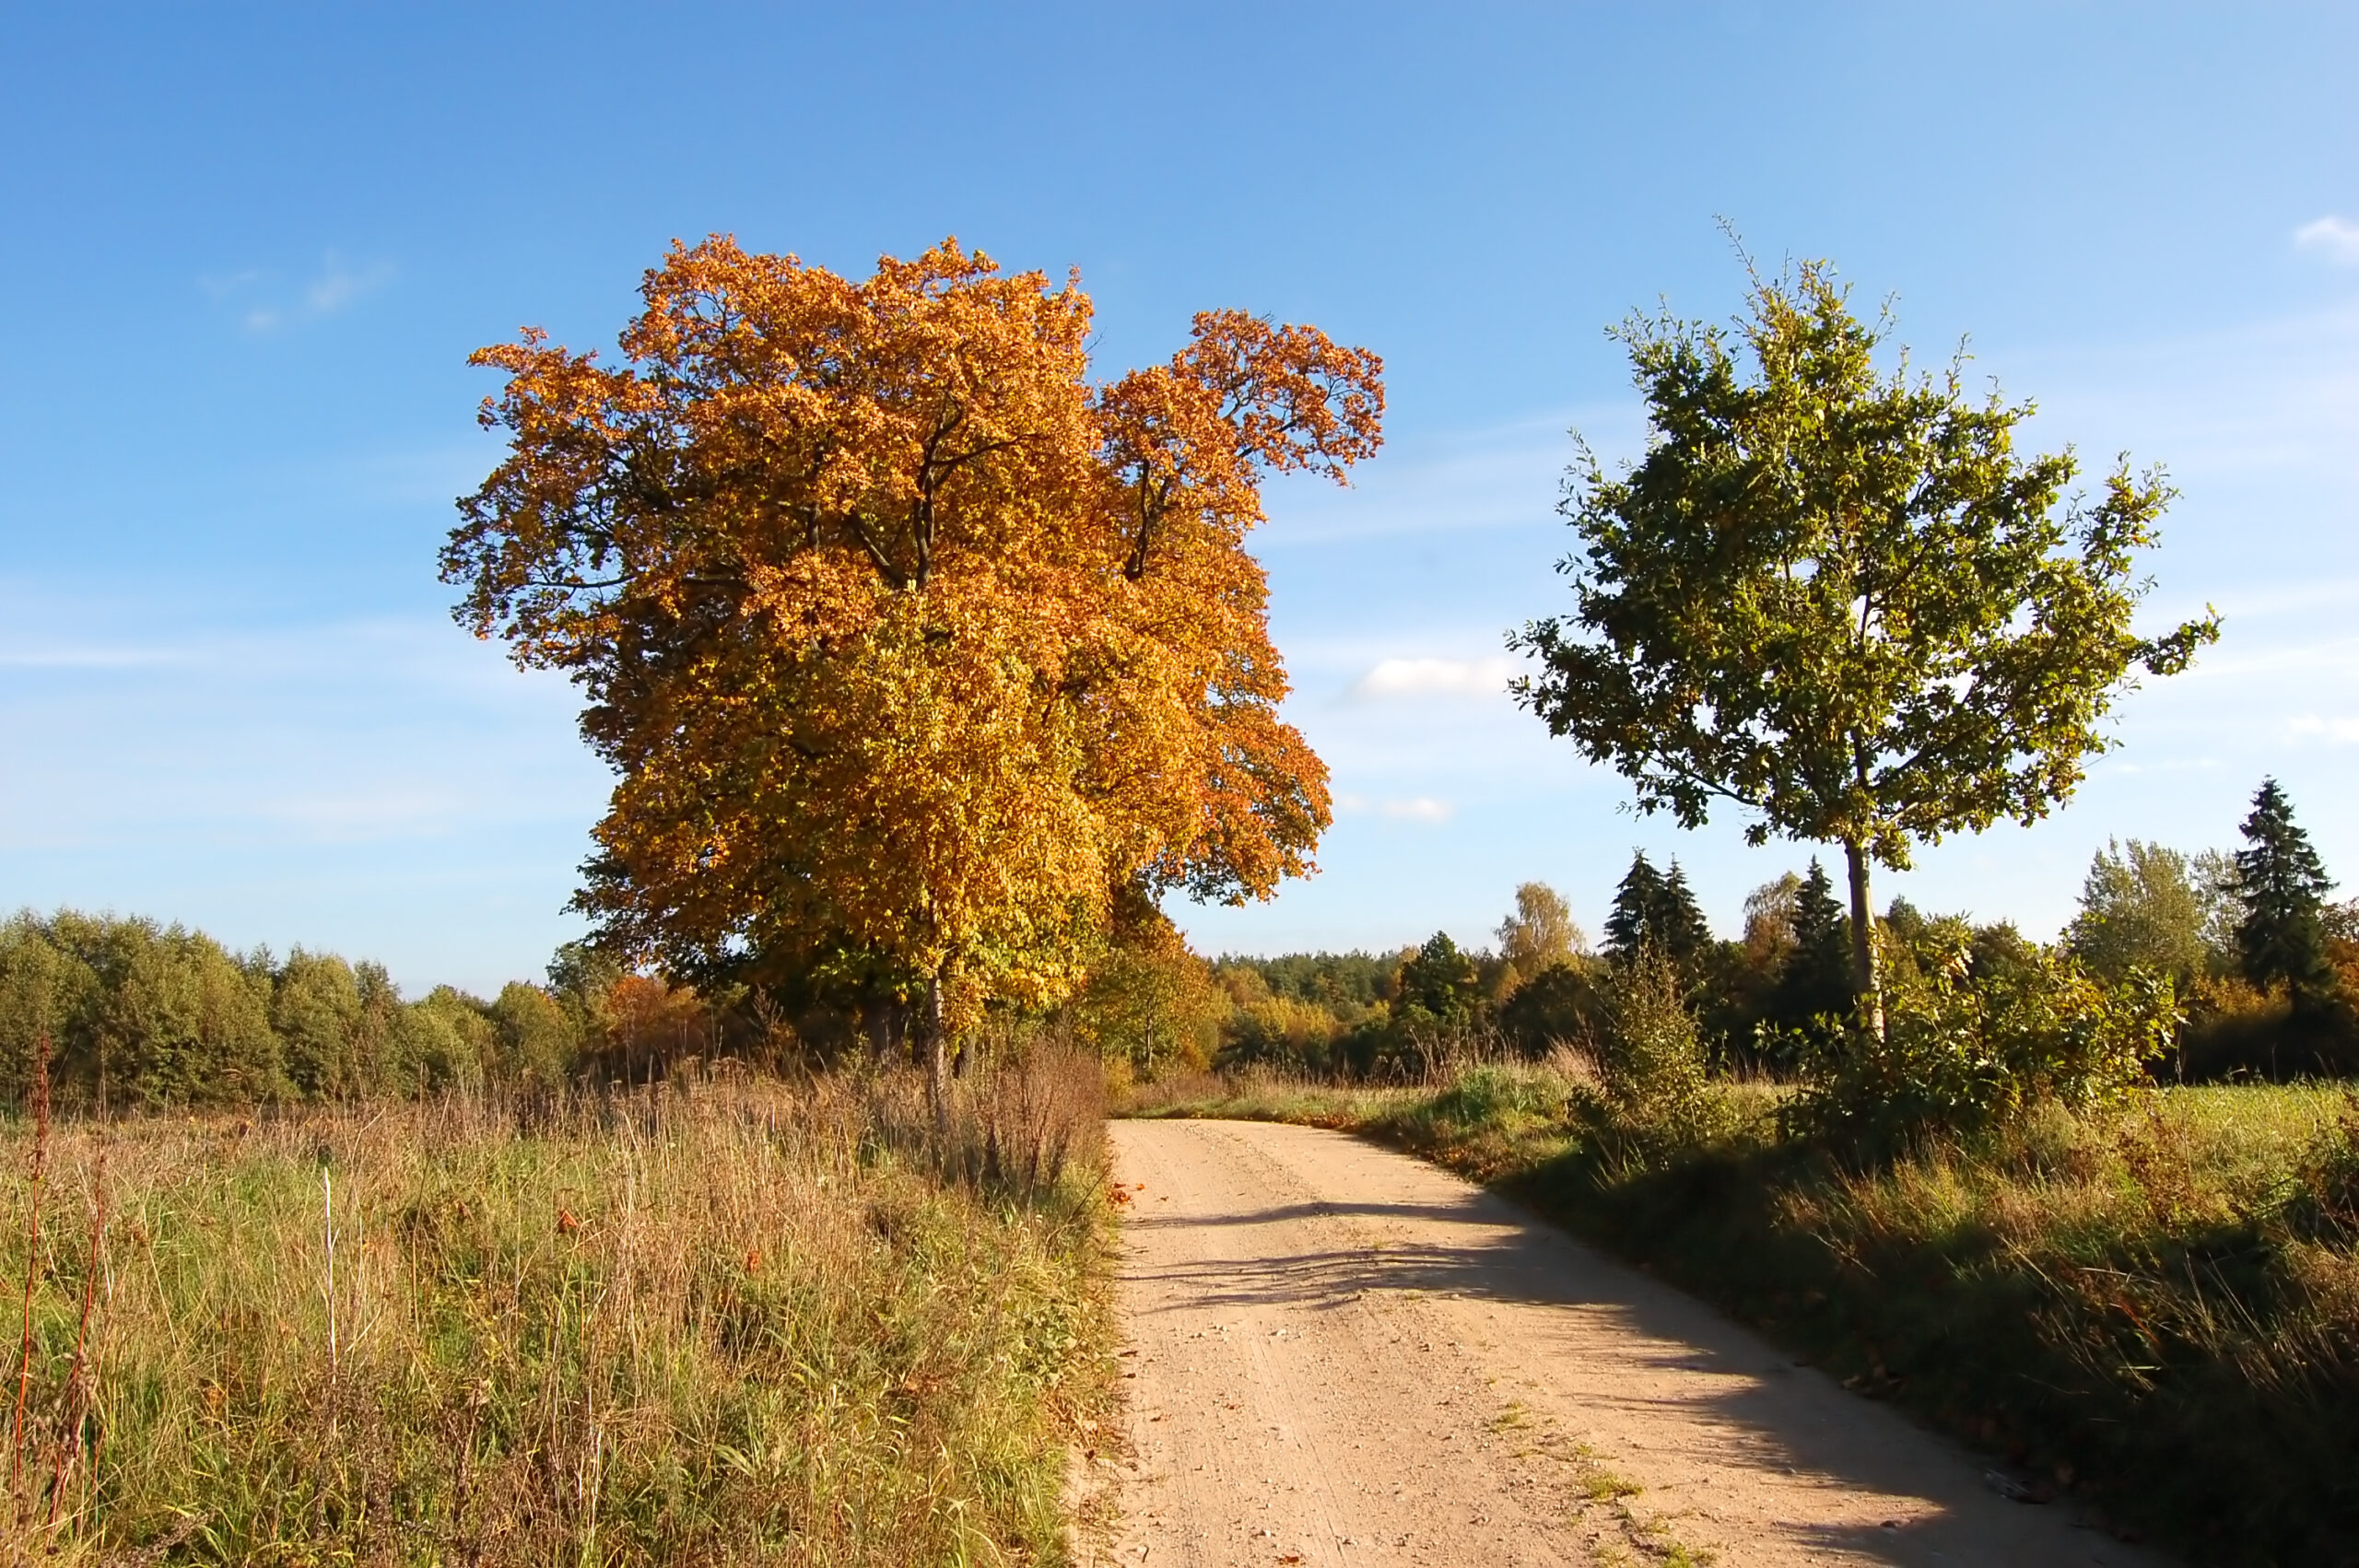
column 937, row 1054
column 1867, row 989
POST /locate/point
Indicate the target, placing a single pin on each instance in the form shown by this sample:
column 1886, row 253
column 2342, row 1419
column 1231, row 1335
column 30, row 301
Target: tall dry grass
column 716, row 1322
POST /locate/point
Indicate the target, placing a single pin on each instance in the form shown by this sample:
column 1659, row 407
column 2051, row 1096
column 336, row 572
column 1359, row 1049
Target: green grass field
column 2154, row 1310
column 745, row 1322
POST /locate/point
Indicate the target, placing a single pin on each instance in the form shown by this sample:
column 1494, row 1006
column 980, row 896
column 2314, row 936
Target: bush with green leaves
column 1282, row 1033
column 1654, row 1094
column 1563, row 1004
column 1965, row 1053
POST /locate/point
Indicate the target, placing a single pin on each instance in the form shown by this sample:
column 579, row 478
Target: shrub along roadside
column 2152, row 1307
column 721, row 1321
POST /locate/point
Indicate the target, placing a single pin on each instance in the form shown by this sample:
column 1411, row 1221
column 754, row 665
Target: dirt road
column 1339, row 1355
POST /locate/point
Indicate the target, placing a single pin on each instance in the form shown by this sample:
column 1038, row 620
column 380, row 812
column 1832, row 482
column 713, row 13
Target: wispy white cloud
column 76, row 655
column 2176, row 765
column 322, row 711
column 1507, row 476
column 339, row 284
column 2270, row 405
column 422, row 651
column 2338, row 238
column 367, row 815
column 1434, row 677
column 220, row 285
column 336, row 285
column 1420, row 808
column 2336, row 731
column 2315, row 659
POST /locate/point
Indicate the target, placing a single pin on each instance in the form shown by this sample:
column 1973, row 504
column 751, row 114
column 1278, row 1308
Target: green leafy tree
column 1438, row 981
column 1998, row 950
column 1653, row 1065
column 315, row 1009
column 2214, row 871
column 1970, row 1051
column 1769, row 922
column 581, row 976
column 142, row 1016
column 1349, row 985
column 1563, row 1004
column 2140, row 908
column 1541, row 932
column 182, row 1023
column 449, row 1037
column 1739, row 983
column 2282, row 887
column 1838, row 598
column 382, row 1043
column 538, row 1045
column 47, row 994
column 1151, row 1004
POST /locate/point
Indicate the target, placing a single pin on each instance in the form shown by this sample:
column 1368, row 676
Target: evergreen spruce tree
column 1677, row 929
column 1818, row 977
column 1630, row 924
column 2282, row 887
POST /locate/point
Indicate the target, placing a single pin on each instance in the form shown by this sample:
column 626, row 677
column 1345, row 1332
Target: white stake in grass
column 327, row 1209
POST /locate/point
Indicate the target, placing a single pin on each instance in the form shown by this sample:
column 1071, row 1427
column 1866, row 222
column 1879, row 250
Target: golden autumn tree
column 912, row 647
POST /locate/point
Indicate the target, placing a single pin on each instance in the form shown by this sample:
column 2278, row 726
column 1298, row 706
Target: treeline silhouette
column 123, row 1014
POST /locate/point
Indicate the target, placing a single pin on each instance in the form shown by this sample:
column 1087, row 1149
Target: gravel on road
column 1336, row 1354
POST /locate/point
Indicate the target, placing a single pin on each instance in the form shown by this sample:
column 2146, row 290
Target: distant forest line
column 2262, row 970
column 125, row 1013
column 128, row 1014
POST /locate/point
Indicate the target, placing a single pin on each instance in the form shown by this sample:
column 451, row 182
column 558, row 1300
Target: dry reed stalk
column 75, row 1403
column 39, row 1168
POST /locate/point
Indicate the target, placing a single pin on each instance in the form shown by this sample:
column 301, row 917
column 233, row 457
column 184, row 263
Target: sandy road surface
column 1340, row 1356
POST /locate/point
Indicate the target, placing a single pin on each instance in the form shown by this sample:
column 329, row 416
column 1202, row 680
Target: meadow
column 2149, row 1311
column 614, row 1271
column 726, row 1319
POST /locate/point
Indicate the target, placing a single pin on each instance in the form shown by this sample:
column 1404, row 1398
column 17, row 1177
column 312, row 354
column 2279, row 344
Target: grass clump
column 728, row 1321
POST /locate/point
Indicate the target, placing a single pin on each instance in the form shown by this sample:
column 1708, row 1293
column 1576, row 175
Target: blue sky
column 249, row 248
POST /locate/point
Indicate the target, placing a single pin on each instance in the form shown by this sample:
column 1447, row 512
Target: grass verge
column 2153, row 1312
column 735, row 1322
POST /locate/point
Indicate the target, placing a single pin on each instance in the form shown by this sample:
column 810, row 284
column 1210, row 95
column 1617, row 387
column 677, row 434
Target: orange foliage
column 648, row 1021
column 911, row 647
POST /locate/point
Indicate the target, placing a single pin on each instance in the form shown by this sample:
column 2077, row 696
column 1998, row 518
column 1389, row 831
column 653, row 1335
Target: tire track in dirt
column 1337, row 1356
